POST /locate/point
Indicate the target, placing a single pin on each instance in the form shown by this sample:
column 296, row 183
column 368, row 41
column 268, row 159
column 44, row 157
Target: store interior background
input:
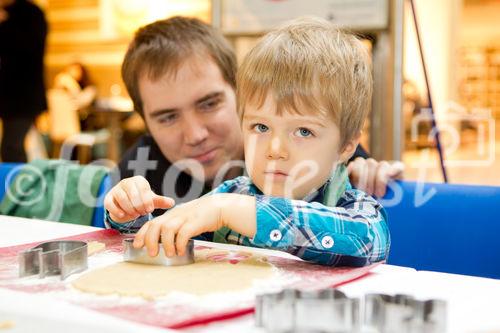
column 461, row 44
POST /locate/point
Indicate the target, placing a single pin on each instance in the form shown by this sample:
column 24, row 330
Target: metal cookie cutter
column 329, row 310
column 54, row 258
column 404, row 313
column 292, row 310
column 141, row 255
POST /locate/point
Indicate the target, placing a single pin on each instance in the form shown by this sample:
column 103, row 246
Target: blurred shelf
column 479, row 85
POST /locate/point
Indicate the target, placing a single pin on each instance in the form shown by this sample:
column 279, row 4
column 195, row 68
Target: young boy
column 303, row 93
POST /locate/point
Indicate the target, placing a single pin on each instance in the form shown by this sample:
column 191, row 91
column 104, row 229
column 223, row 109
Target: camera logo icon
column 467, row 137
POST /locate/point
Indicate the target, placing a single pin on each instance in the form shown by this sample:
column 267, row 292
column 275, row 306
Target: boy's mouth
column 276, row 174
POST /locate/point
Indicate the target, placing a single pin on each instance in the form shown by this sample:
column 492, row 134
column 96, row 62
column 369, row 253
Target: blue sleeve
column 133, row 226
column 354, row 233
column 128, row 227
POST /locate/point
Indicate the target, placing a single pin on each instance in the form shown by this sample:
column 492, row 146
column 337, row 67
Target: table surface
column 473, row 303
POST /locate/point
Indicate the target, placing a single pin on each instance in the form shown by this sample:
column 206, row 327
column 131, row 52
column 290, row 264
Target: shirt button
column 327, row 242
column 275, row 235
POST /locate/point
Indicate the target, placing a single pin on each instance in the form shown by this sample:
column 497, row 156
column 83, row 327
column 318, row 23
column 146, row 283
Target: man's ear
column 349, row 148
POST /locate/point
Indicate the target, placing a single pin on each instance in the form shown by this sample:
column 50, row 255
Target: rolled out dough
column 149, row 281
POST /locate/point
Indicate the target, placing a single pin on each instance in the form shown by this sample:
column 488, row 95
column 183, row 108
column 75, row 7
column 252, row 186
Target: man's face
column 290, row 155
column 191, row 114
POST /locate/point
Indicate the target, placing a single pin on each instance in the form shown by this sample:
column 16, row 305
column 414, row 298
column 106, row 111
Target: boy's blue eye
column 303, row 132
column 260, row 128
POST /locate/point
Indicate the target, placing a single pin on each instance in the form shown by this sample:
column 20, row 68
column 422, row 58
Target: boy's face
column 290, row 155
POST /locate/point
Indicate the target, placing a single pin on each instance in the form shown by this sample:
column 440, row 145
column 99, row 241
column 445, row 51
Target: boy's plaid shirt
column 353, row 233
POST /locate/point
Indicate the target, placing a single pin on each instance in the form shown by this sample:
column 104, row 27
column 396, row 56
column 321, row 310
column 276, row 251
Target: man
column 180, row 74
column 23, row 31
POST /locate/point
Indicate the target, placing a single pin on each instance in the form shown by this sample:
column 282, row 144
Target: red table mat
column 168, row 314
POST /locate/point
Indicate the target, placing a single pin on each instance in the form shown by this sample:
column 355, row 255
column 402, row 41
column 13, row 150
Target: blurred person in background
column 75, row 81
column 23, row 31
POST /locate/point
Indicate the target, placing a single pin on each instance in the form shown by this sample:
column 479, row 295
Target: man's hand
column 209, row 213
column 372, row 177
column 133, row 197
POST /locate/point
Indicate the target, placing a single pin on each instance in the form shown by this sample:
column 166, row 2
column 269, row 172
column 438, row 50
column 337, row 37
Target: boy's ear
column 349, row 148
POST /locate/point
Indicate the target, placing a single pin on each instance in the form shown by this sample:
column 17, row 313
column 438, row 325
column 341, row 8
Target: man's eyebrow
column 209, row 96
column 162, row 112
column 205, row 98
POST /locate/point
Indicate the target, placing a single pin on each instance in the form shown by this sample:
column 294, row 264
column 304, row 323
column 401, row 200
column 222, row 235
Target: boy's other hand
column 372, row 176
column 133, row 197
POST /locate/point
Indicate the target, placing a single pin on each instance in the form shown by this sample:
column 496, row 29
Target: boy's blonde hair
column 309, row 63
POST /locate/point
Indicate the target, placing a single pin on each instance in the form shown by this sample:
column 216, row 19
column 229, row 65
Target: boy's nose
column 277, row 149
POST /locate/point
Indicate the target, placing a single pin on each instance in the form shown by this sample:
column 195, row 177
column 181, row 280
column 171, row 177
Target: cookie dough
column 203, row 277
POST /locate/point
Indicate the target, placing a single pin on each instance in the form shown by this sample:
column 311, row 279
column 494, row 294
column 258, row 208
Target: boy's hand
column 133, row 197
column 191, row 219
column 372, row 177
column 178, row 225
